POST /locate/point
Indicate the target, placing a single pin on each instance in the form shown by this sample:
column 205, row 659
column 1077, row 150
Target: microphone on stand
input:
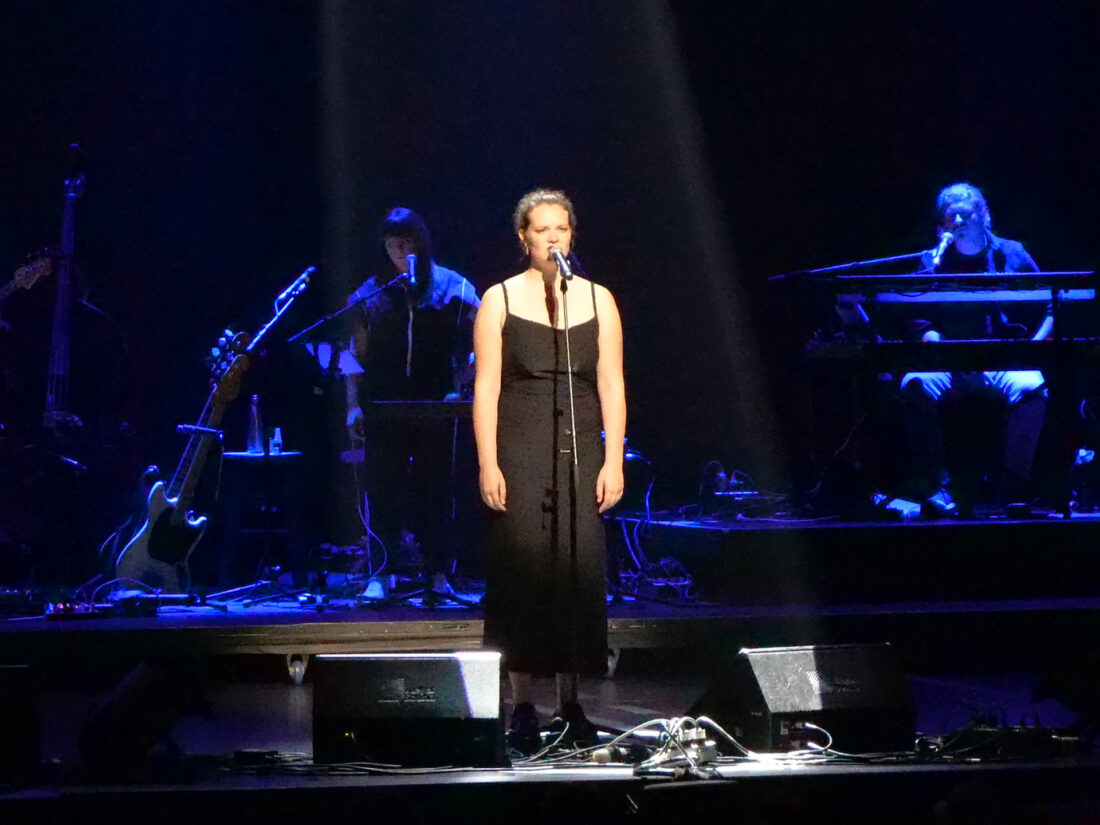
column 562, row 262
column 945, row 241
column 299, row 284
column 412, row 269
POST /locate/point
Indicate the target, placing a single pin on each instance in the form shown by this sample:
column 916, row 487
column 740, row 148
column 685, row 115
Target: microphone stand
column 283, row 303
column 574, row 471
column 850, row 265
column 569, row 381
column 359, row 300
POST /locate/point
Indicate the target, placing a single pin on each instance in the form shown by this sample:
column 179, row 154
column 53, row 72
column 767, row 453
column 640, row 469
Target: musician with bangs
column 412, row 341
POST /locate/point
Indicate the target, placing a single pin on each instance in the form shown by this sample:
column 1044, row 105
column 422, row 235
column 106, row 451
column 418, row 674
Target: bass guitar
column 159, row 552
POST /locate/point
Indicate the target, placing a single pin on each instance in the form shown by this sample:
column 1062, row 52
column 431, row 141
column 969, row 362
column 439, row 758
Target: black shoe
column 523, row 731
column 578, row 731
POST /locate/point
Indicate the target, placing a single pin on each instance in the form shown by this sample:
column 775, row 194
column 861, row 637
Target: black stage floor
column 993, row 623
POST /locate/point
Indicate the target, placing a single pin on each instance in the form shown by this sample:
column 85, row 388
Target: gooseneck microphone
column 562, row 262
column 945, row 241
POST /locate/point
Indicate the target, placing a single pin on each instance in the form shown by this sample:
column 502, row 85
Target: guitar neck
column 186, row 478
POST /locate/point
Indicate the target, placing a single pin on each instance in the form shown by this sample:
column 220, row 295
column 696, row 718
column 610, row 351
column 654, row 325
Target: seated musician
column 412, row 342
column 953, row 410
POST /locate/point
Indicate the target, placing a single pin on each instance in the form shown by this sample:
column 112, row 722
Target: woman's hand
column 493, row 489
column 609, row 486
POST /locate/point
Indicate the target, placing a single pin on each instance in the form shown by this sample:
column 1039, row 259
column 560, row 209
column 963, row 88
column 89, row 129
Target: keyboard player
column 950, row 416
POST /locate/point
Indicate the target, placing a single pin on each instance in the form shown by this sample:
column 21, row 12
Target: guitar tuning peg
column 215, row 351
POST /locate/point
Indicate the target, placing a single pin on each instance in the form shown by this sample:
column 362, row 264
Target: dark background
column 707, row 146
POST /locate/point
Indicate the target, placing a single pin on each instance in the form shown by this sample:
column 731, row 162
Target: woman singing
column 545, row 603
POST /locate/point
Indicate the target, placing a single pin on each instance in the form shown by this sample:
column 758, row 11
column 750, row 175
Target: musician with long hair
column 970, row 407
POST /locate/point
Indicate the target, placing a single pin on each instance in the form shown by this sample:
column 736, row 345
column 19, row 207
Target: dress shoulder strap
column 504, row 289
column 595, row 312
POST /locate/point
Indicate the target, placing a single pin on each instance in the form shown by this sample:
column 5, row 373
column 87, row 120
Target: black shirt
column 981, row 320
column 417, row 338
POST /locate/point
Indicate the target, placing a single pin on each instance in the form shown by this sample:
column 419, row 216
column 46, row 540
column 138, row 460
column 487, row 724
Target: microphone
column 412, row 269
column 562, row 262
column 945, row 241
column 298, row 285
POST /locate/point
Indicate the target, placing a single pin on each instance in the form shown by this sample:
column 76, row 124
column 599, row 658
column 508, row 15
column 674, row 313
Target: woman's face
column 547, row 227
column 399, row 249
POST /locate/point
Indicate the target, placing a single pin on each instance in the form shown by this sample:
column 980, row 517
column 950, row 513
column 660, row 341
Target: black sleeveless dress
column 546, row 588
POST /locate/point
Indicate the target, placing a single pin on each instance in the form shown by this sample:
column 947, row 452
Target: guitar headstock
column 227, row 362
column 26, row 275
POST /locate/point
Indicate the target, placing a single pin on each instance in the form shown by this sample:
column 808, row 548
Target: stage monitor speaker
column 408, row 709
column 855, row 692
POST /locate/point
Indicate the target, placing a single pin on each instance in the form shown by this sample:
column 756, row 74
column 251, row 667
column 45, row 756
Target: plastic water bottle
column 255, row 428
column 276, row 445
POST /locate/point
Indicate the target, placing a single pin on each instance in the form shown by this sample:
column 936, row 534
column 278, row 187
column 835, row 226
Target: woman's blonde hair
column 538, row 197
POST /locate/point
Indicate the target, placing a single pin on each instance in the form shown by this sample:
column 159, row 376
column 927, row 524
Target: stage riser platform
column 840, row 564
column 1066, row 638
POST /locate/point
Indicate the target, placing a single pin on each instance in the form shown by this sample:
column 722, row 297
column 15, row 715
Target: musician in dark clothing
column 948, row 413
column 412, row 342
